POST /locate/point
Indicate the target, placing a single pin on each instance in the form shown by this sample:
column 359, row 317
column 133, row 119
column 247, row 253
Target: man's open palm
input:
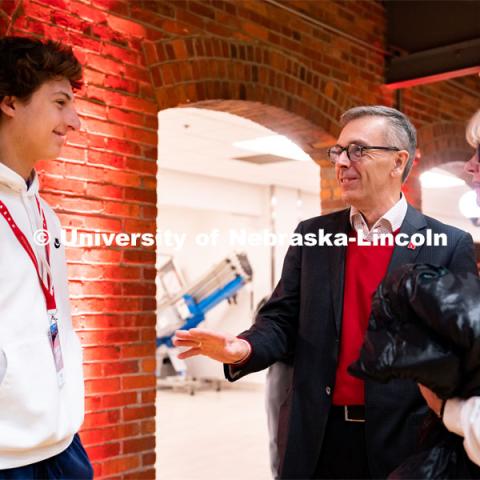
column 220, row 347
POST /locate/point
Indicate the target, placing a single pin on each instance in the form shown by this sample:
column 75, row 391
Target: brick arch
column 187, row 67
column 439, row 144
column 442, row 143
column 191, row 70
column 227, row 50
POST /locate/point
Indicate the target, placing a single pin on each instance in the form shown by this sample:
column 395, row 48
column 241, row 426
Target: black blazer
column 303, row 318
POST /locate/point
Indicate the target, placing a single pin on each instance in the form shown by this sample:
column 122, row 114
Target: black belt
column 350, row 413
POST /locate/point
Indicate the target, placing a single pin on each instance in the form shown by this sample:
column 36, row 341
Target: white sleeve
column 3, row 364
column 463, row 418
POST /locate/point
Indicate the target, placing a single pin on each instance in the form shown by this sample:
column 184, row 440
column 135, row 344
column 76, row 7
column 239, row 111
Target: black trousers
column 71, row 464
column 344, row 451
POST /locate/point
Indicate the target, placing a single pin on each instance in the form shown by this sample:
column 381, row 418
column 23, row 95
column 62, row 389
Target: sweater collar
column 389, row 222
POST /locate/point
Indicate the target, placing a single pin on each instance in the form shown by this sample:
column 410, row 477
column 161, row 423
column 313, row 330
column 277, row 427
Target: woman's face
column 473, row 168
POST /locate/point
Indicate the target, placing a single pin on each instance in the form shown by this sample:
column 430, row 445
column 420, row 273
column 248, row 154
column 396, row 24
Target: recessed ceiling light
column 274, row 145
column 438, row 178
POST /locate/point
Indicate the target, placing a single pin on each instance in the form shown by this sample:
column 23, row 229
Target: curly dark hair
column 26, row 63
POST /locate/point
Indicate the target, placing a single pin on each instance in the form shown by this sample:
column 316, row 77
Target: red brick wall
column 258, row 52
column 443, row 142
column 255, row 51
column 143, row 56
column 106, row 180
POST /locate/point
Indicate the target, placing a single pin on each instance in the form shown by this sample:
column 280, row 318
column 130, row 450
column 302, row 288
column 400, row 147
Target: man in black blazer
column 305, row 316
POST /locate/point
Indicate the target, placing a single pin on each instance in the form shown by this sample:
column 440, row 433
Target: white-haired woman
column 463, row 416
column 473, row 165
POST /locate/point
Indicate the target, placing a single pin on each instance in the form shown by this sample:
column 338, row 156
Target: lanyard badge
column 54, row 337
column 47, row 289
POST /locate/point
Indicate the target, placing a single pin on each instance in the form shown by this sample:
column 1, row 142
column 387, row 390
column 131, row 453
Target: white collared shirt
column 389, row 222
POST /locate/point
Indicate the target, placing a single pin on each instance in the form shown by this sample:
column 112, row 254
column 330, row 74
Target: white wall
column 190, row 204
column 208, row 193
column 290, row 208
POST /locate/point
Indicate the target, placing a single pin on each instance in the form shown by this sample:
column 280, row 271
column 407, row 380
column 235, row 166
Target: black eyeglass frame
column 361, row 147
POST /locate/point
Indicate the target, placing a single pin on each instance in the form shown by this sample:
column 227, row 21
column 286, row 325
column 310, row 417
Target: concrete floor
column 212, row 435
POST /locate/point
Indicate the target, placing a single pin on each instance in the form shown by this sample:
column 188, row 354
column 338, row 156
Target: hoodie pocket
column 74, row 387
column 29, row 395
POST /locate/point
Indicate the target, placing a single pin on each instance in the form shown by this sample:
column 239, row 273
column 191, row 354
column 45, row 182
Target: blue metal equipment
column 188, row 308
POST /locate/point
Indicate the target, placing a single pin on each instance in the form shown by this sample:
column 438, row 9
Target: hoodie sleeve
column 3, row 365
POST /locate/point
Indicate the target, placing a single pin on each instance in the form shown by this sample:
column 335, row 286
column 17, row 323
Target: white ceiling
column 200, row 141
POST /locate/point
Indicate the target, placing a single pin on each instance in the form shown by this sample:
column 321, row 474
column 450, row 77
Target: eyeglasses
column 354, row 152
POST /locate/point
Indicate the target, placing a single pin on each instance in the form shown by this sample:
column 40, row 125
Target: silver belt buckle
column 348, row 419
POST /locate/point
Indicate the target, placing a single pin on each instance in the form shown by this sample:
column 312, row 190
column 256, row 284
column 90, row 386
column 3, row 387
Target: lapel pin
column 411, row 246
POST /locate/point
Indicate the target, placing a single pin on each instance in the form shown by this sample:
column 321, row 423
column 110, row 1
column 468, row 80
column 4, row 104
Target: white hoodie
column 37, row 418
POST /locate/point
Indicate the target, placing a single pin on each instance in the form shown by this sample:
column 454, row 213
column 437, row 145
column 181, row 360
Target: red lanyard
column 47, row 289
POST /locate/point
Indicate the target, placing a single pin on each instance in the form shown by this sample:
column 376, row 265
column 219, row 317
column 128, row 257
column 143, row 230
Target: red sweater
column 365, row 267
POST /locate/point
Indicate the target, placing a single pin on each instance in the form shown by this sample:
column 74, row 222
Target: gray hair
column 402, row 133
column 473, row 130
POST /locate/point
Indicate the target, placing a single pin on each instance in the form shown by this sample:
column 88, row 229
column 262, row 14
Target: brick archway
column 442, row 143
column 193, row 69
column 190, row 70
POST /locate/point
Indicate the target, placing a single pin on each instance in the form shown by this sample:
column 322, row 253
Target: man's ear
column 8, row 105
column 401, row 160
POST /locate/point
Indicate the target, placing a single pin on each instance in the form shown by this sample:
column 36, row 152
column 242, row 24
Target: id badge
column 54, row 337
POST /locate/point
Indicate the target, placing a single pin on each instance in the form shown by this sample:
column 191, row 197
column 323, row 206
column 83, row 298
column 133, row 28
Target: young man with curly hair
column 41, row 377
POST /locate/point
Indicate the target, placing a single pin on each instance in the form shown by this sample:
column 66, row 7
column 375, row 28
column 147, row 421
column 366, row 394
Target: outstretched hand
column 218, row 346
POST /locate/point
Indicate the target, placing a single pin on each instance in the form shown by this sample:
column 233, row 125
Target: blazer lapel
column 412, row 223
column 340, row 224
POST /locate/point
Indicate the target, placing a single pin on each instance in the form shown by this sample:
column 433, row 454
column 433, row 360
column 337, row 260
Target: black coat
column 425, row 326
column 303, row 317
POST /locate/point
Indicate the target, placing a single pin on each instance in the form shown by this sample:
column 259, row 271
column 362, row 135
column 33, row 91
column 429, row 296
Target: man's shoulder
column 325, row 221
column 437, row 226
